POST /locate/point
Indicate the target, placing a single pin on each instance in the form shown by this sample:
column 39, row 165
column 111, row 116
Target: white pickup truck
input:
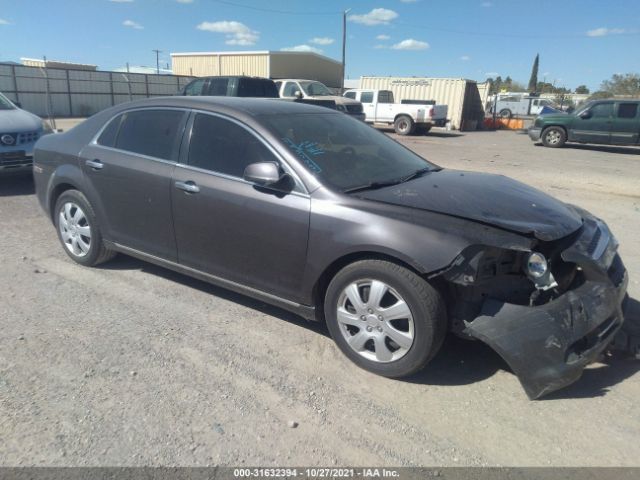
column 406, row 118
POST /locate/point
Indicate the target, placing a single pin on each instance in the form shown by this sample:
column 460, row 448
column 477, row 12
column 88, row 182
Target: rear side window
column 627, row 110
column 366, row 97
column 150, row 132
column 218, row 87
column 108, row 136
column 256, row 87
column 385, row 97
column 222, row 146
column 195, row 87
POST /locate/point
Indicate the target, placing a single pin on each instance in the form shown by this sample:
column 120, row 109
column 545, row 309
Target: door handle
column 189, row 187
column 95, row 164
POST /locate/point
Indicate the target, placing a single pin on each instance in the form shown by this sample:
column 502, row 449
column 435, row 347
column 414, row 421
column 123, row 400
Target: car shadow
column 124, row 262
column 14, row 184
column 459, row 361
column 601, row 148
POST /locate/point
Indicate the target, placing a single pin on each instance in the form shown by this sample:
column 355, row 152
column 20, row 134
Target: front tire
column 78, row 229
column 384, row 317
column 554, row 137
column 404, row 125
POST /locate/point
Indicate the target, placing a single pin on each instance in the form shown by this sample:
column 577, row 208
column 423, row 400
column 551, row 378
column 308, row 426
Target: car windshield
column 344, row 153
column 315, row 89
column 5, row 104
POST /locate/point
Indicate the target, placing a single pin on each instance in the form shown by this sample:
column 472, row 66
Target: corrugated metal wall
column 447, row 91
column 200, row 65
column 305, row 65
column 79, row 93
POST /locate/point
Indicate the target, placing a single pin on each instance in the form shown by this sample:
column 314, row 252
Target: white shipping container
column 445, row 91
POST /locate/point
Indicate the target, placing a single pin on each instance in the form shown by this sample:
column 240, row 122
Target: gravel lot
column 131, row 364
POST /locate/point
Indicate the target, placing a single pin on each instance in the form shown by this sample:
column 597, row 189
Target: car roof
column 231, row 105
column 236, row 76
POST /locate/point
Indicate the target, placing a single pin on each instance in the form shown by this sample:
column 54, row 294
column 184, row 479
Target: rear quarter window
column 108, row 136
column 255, row 87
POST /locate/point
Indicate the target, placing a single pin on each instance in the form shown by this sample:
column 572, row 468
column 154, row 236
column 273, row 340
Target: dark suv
column 314, row 211
column 238, row 86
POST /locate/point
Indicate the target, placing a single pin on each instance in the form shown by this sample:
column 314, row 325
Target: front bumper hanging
column 548, row 346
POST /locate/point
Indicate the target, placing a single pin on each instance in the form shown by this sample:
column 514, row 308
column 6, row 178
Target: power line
column 272, row 10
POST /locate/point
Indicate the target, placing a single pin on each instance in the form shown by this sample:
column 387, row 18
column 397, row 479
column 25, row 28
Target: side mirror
column 586, row 114
column 298, row 94
column 262, row 174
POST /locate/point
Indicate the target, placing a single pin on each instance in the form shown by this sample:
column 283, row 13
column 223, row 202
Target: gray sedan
column 316, row 212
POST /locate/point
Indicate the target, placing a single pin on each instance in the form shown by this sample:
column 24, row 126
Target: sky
column 579, row 41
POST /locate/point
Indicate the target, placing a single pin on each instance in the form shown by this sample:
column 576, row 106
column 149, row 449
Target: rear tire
column 78, row 230
column 505, row 113
column 396, row 322
column 404, row 125
column 554, row 137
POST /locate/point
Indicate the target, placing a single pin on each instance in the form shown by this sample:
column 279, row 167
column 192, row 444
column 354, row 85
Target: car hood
column 490, row 199
column 16, row 120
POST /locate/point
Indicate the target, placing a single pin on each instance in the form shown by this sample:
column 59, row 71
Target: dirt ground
column 130, row 364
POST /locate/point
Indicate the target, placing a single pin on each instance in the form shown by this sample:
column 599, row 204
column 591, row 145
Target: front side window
column 342, row 152
column 218, row 87
column 290, row 89
column 222, row 146
column 366, row 97
column 602, row 110
column 195, row 87
column 627, row 110
column 151, row 132
column 351, row 95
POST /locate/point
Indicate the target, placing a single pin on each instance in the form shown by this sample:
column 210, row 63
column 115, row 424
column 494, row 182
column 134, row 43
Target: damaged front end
column 548, row 314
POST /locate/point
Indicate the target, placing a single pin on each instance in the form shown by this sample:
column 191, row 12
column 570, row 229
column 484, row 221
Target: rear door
column 626, row 124
column 128, row 178
column 226, row 226
column 593, row 125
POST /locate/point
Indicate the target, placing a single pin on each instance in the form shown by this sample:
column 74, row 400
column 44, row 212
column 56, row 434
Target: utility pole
column 157, row 60
column 344, row 46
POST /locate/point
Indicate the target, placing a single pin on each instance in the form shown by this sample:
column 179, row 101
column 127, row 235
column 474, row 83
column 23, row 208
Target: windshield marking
column 303, row 150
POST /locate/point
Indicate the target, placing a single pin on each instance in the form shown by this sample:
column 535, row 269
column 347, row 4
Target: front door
column 593, row 125
column 128, row 172
column 228, row 227
column 626, row 125
column 368, row 106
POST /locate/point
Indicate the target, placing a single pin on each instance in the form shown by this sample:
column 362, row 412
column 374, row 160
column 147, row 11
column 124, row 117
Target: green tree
column 618, row 84
column 533, row 79
column 582, row 89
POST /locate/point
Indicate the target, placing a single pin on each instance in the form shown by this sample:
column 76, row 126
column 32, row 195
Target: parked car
column 233, row 86
column 607, row 122
column 311, row 210
column 380, row 107
column 317, row 91
column 523, row 105
column 19, row 131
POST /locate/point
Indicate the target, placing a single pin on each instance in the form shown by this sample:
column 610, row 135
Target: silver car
column 19, row 131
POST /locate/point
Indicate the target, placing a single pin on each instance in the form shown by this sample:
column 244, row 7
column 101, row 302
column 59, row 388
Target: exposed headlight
column 537, row 265
column 46, row 128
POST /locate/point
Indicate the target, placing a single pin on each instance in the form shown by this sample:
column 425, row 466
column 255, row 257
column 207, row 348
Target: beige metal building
column 465, row 98
column 270, row 64
column 35, row 62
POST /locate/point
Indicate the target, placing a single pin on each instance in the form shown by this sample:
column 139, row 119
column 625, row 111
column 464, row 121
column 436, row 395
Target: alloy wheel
column 552, row 137
column 75, row 230
column 375, row 320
